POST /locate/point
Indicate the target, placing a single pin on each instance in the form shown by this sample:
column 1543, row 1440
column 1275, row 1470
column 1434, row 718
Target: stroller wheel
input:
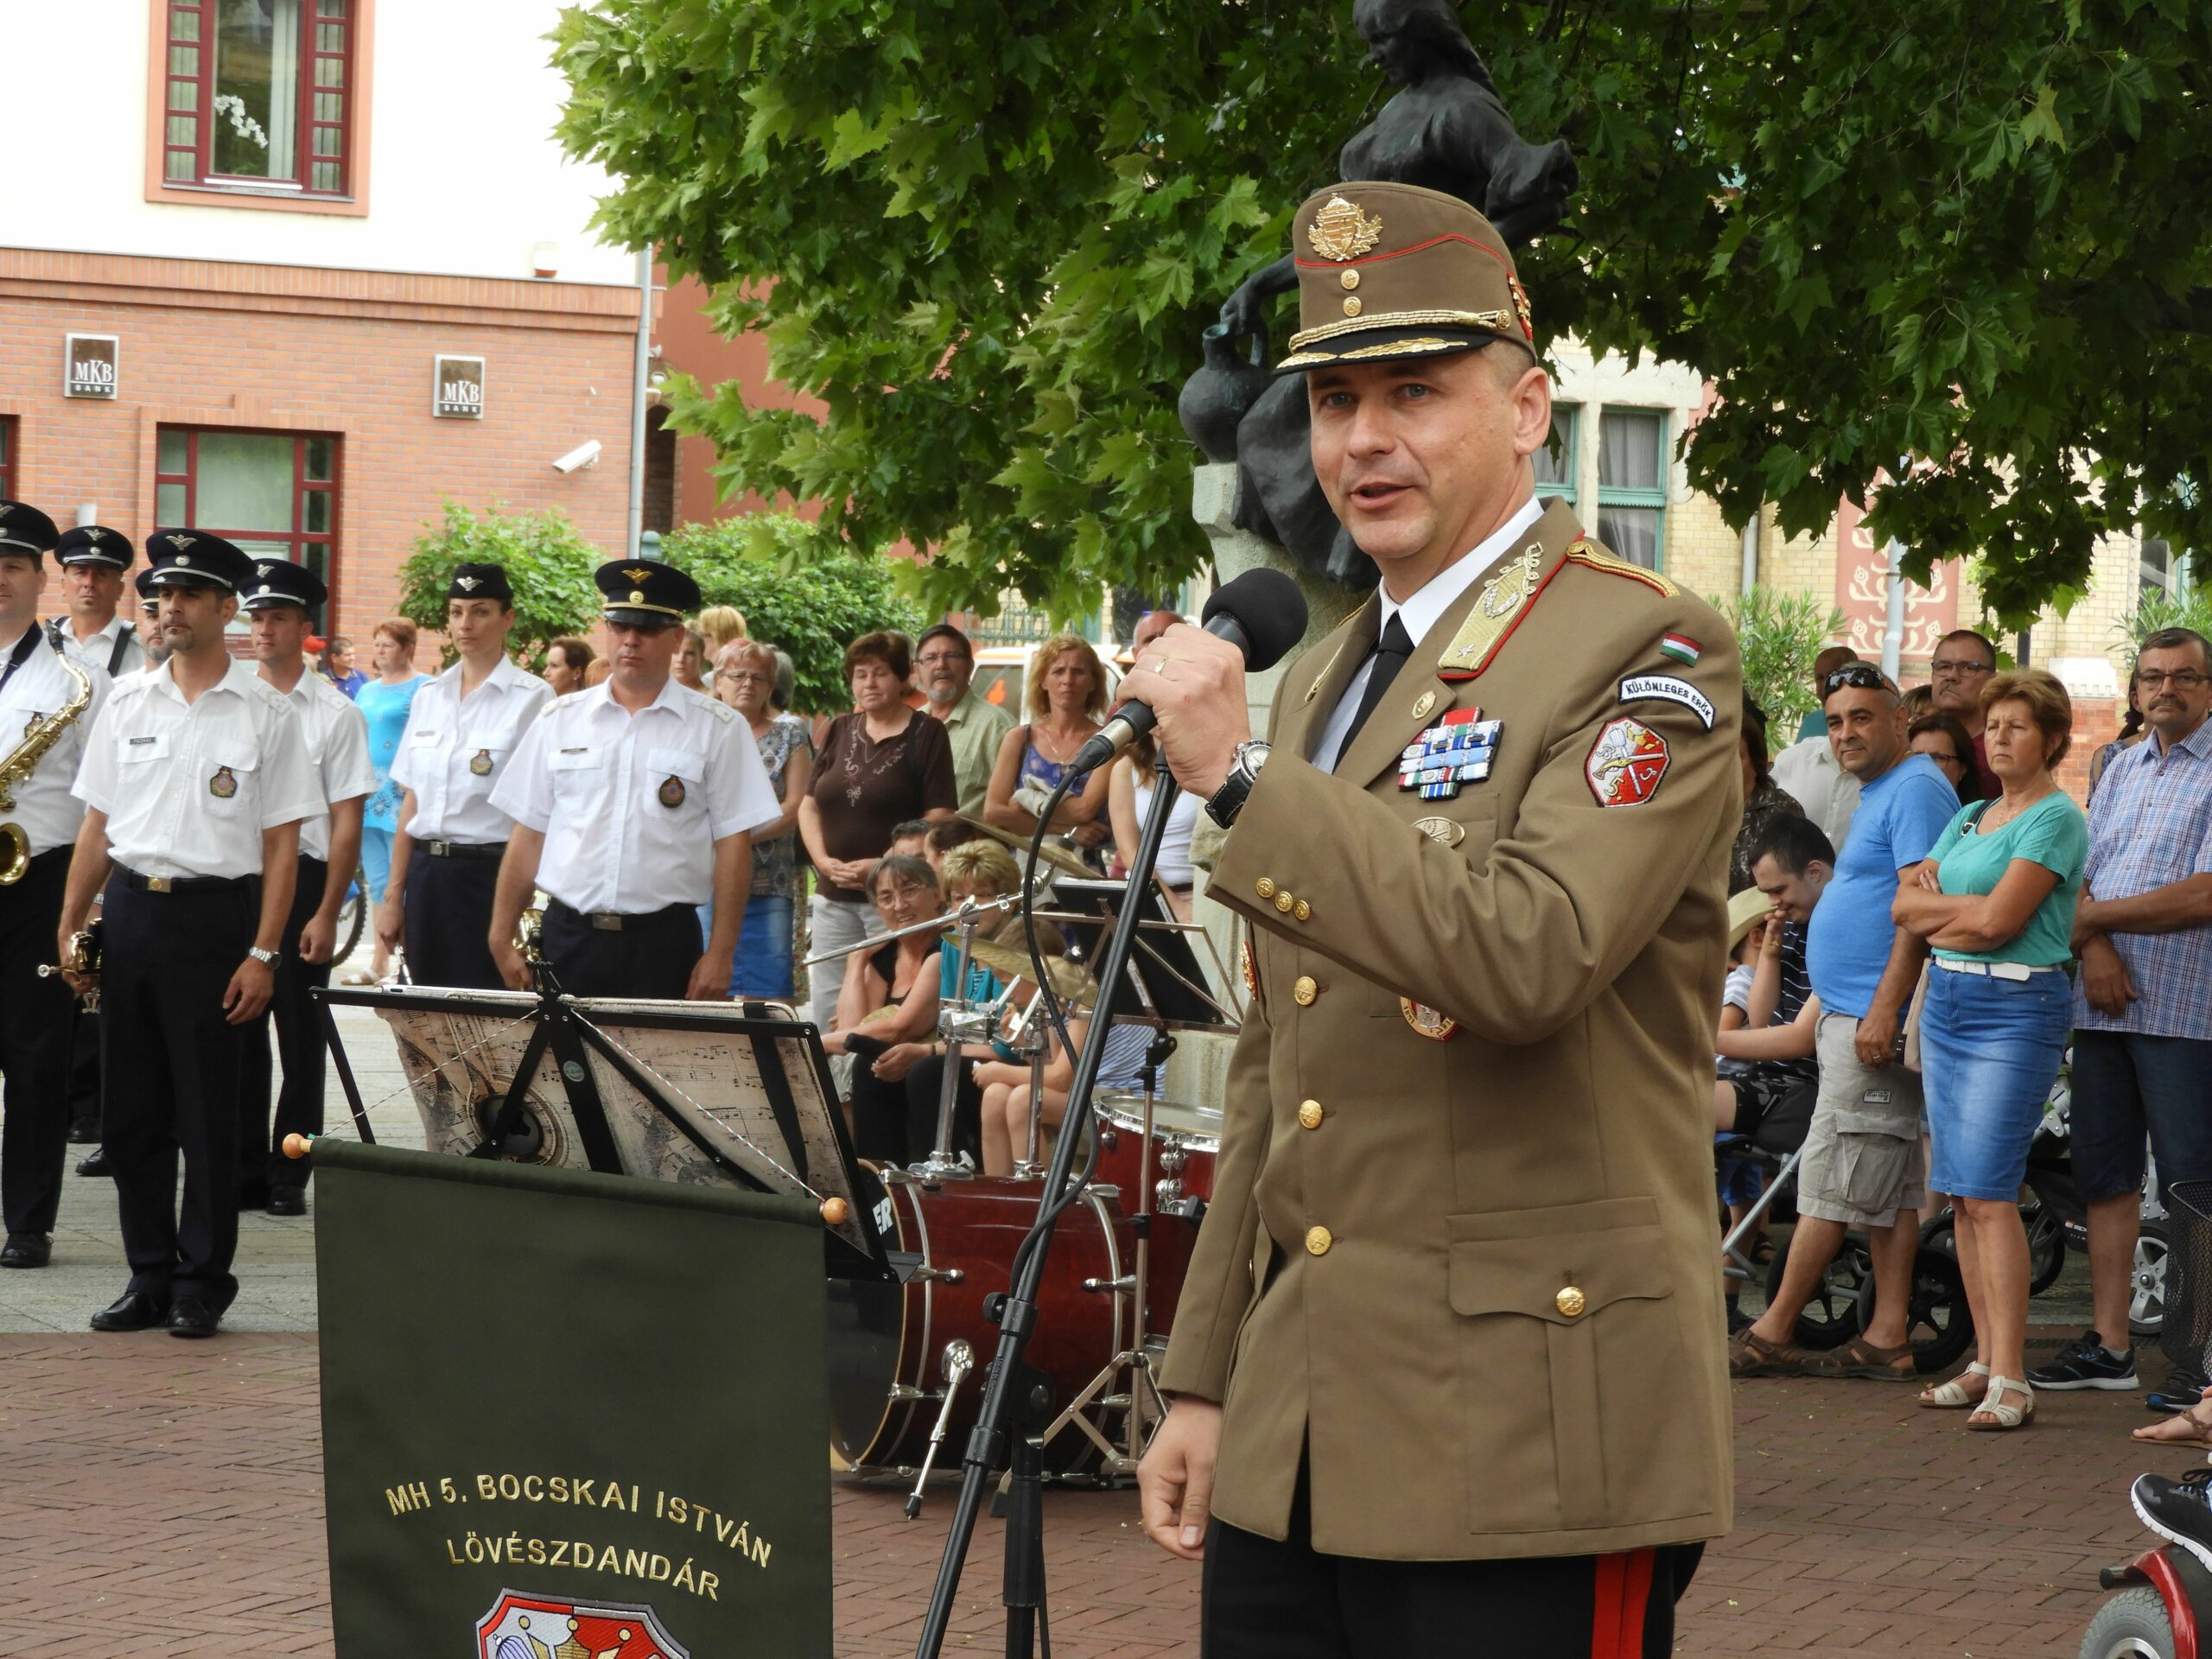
column 2146, row 1291
column 2132, row 1626
column 1830, row 1319
column 1938, row 1325
column 2046, row 1246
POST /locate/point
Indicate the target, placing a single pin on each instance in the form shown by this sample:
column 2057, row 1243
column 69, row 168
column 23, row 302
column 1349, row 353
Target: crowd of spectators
column 1954, row 926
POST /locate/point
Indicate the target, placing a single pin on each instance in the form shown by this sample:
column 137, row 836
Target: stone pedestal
column 1200, row 1064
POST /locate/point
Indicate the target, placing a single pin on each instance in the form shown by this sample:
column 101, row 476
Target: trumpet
column 84, row 959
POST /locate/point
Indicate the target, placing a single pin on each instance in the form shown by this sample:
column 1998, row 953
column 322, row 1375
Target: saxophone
column 45, row 732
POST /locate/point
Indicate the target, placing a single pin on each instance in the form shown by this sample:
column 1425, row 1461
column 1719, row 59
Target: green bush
column 1779, row 635
column 548, row 564
column 800, row 588
column 2189, row 608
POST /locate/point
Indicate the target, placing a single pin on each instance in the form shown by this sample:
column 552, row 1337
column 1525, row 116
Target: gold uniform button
column 1570, row 1302
column 1352, row 306
column 1302, row 910
column 1309, row 1113
column 1284, row 902
column 1303, row 990
column 1350, row 279
column 1317, row 1241
column 1265, row 887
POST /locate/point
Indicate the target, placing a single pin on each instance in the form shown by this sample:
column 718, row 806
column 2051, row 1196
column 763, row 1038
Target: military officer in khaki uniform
column 1449, row 1355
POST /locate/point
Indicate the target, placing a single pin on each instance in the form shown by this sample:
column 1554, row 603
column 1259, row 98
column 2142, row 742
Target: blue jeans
column 375, row 862
column 762, row 966
column 2126, row 1084
column 1989, row 1052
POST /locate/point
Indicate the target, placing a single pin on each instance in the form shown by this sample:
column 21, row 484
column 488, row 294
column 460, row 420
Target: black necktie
column 1383, row 666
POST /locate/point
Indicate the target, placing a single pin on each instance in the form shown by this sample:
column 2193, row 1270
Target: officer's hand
column 709, row 979
column 1877, row 1041
column 514, row 971
column 392, row 922
column 1175, row 1480
column 1194, row 685
column 247, row 995
column 319, row 938
column 2105, row 979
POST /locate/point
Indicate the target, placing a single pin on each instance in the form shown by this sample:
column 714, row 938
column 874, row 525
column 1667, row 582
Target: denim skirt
column 1989, row 1052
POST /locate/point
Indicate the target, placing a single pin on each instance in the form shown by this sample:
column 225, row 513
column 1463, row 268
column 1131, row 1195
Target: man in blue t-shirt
column 1863, row 1165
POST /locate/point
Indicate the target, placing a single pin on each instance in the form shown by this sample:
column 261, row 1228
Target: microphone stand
column 1010, row 1382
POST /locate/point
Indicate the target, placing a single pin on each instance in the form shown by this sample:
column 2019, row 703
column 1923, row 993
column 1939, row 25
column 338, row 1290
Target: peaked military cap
column 95, row 544
column 24, row 529
column 1392, row 270
column 279, row 581
column 646, row 594
column 480, row 582
column 193, row 558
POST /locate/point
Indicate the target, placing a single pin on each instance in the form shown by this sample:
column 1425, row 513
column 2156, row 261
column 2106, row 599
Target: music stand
column 1166, row 982
column 721, row 1093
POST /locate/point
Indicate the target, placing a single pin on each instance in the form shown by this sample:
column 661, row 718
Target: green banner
column 568, row 1415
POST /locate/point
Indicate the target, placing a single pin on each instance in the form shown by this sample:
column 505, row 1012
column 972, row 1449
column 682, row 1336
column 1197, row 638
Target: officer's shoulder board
column 271, row 697
column 1592, row 557
column 720, row 710
column 561, row 701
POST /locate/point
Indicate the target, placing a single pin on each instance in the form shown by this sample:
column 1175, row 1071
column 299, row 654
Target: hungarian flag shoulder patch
column 1681, row 647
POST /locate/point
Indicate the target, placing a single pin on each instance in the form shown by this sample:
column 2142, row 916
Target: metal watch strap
column 1243, row 772
column 266, row 958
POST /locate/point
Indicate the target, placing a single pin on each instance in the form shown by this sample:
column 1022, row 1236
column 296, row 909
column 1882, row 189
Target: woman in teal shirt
column 1995, row 901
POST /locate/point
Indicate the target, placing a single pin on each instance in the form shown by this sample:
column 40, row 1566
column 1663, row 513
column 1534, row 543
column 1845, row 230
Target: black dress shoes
column 26, row 1250
column 192, row 1317
column 84, row 1135
column 287, row 1201
column 135, row 1310
column 95, row 1165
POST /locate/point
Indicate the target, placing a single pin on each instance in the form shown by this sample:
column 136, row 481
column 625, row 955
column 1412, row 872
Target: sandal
column 2183, row 1428
column 1953, row 1395
column 1751, row 1355
column 1860, row 1359
column 2000, row 1415
column 1763, row 1250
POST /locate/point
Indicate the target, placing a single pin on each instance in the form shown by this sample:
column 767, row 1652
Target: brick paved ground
column 165, row 1498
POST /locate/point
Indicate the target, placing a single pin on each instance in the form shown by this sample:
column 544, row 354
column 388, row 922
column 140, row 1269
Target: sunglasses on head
column 1863, row 676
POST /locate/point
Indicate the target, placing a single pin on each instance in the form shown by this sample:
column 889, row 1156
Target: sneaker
column 2177, row 1393
column 2085, row 1364
column 2179, row 1510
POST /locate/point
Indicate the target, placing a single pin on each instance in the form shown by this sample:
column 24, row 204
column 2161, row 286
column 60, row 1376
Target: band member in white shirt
column 196, row 780
column 632, row 804
column 280, row 601
column 95, row 632
column 461, row 731
column 41, row 818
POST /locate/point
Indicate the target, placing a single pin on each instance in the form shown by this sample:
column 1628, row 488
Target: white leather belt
column 1993, row 969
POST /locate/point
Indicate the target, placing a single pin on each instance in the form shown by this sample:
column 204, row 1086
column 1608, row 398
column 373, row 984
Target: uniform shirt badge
column 1428, row 1022
column 1665, row 688
column 223, row 784
column 671, row 792
column 1626, row 763
column 1456, row 751
column 480, row 763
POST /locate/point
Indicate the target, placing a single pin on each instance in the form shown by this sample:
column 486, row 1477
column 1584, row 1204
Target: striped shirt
column 2151, row 826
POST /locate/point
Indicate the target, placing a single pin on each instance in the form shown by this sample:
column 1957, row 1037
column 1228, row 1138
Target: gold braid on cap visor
column 1498, row 322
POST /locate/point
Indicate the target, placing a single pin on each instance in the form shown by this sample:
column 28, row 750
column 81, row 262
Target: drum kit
column 905, row 1356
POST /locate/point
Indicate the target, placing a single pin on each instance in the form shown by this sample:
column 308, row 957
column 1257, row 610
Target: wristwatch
column 266, row 958
column 1243, row 772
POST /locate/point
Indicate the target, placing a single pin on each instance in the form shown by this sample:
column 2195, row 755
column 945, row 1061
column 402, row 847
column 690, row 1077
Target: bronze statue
column 1448, row 130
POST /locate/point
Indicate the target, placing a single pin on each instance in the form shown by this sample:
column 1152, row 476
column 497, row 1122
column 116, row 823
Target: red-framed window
column 260, row 95
column 274, row 493
column 7, row 458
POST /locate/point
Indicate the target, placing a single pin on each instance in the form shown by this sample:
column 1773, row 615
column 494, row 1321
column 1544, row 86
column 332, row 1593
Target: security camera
column 584, row 455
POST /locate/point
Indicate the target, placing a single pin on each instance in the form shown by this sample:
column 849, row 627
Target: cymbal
column 1052, row 853
column 1069, row 983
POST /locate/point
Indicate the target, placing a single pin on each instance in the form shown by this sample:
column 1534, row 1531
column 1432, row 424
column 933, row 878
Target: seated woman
column 1008, row 1099
column 877, row 1009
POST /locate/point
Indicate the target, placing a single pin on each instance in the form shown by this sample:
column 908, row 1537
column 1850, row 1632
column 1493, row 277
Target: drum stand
column 958, row 1020
column 1141, row 1401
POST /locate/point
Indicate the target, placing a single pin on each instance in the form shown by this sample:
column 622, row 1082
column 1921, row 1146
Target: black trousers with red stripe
column 1269, row 1600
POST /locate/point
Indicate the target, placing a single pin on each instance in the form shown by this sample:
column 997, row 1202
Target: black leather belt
column 616, row 921
column 489, row 849
column 185, row 883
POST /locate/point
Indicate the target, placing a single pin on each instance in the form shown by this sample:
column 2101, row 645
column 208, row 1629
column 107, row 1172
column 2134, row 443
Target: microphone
column 1261, row 612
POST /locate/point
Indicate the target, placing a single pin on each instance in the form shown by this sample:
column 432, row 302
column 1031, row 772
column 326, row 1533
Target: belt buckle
column 160, row 884
column 440, row 848
column 606, row 921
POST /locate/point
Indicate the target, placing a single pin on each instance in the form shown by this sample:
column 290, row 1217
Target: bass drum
column 887, row 1342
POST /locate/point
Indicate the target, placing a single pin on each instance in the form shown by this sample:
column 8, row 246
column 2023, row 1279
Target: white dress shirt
column 456, row 749
column 337, row 737
column 631, row 806
column 188, row 787
column 1808, row 770
column 1419, row 612
column 45, row 810
column 95, row 652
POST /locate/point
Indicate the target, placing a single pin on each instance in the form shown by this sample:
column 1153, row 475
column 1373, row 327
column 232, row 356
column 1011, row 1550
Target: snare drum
column 1184, row 1139
column 887, row 1342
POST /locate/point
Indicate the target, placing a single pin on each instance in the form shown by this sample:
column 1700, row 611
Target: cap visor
column 167, row 578
column 642, row 616
column 1386, row 346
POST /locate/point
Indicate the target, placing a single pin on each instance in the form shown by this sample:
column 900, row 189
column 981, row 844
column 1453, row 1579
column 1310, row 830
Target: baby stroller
column 1939, row 1326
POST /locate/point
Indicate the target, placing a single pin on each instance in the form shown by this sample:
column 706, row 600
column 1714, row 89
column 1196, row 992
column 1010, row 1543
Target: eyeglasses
column 734, row 674
column 2182, row 679
column 1864, row 676
column 907, row 890
column 1960, row 665
column 931, row 658
column 1942, row 757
